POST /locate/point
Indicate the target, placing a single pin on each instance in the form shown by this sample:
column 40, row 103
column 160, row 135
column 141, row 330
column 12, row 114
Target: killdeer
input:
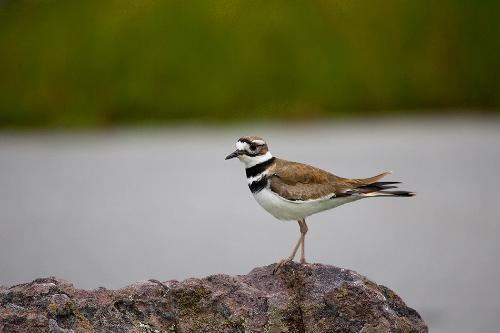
column 292, row 191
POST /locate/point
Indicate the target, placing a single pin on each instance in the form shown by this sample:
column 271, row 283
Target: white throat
column 250, row 161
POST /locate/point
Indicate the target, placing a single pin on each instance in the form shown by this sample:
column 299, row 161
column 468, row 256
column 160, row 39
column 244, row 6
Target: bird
column 292, row 191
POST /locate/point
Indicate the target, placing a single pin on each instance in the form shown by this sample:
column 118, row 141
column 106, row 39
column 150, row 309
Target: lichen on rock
column 299, row 298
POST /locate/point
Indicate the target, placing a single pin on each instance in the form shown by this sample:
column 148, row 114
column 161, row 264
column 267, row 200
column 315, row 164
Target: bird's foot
column 303, row 261
column 282, row 263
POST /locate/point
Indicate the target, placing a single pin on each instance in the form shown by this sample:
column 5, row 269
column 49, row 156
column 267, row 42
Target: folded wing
column 302, row 182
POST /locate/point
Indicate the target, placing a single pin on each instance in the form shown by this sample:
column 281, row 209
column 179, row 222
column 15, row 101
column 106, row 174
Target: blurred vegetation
column 101, row 63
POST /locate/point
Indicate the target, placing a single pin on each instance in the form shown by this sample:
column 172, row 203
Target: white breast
column 295, row 210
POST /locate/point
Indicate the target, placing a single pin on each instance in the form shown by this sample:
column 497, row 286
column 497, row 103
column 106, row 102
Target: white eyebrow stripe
column 259, row 142
column 241, row 145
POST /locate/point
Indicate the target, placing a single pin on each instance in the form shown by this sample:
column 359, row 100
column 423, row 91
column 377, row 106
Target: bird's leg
column 300, row 242
column 303, row 232
column 290, row 258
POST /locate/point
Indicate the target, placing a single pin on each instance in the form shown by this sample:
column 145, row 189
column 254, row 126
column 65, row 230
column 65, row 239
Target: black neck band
column 258, row 185
column 259, row 168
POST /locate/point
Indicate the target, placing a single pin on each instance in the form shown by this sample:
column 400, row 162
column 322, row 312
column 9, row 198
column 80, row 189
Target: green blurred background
column 107, row 63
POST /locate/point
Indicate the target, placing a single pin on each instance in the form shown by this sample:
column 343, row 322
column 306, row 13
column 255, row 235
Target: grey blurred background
column 115, row 118
column 107, row 209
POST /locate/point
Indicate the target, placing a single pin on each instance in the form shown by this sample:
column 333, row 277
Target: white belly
column 295, row 210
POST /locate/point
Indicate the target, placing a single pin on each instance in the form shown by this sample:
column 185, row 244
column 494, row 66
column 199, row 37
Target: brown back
column 297, row 181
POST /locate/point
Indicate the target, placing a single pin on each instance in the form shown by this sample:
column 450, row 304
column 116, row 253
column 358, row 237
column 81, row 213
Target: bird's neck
column 251, row 161
column 258, row 169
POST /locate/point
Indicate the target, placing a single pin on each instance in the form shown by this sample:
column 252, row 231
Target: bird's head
column 251, row 150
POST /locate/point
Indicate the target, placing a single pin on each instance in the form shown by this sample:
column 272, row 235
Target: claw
column 282, row 263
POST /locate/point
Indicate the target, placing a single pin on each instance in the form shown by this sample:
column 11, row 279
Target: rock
column 299, row 298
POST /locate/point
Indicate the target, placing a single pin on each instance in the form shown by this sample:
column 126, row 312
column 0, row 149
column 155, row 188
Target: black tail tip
column 404, row 194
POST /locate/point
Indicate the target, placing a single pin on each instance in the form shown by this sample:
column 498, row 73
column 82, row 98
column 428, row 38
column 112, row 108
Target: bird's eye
column 253, row 146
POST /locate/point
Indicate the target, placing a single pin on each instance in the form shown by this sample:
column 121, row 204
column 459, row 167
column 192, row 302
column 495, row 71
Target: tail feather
column 394, row 194
column 385, row 183
column 377, row 186
column 379, row 189
column 359, row 182
column 373, row 179
column 372, row 187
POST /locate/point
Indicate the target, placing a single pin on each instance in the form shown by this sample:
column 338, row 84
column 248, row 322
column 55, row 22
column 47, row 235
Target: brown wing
column 297, row 181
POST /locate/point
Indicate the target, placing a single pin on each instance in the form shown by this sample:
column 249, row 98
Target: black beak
column 233, row 154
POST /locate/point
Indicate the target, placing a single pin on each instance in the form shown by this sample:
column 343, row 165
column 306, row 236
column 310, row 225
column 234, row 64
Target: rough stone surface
column 299, row 298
